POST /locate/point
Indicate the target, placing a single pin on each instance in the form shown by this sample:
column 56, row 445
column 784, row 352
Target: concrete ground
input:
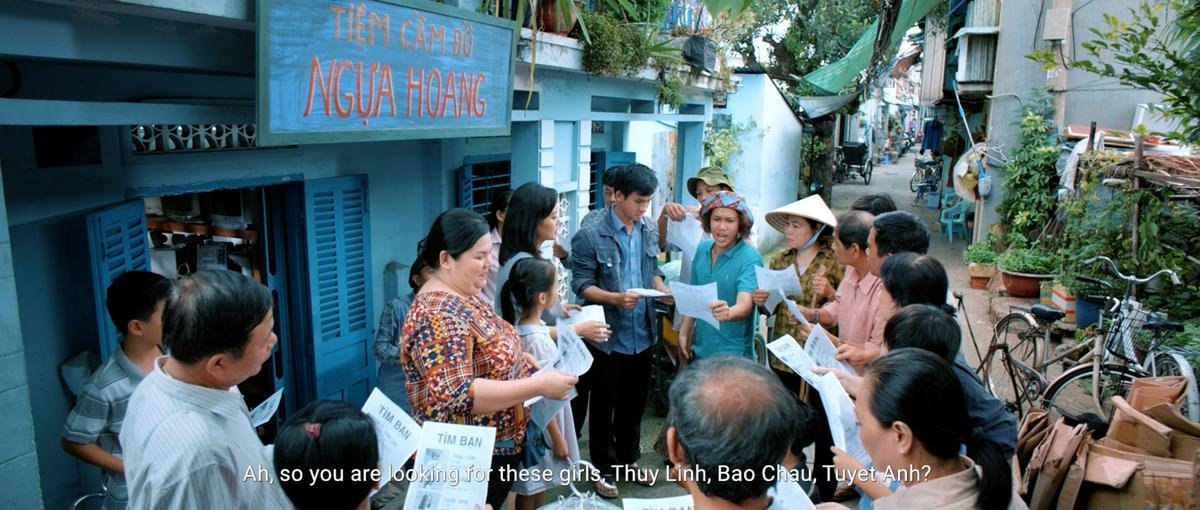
column 893, row 180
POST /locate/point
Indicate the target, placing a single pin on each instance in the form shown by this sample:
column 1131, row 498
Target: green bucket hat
column 712, row 176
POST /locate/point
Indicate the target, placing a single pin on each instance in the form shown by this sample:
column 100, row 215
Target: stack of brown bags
column 1148, row 459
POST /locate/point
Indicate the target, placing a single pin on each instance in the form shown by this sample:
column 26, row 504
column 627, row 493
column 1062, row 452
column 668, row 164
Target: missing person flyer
column 453, row 464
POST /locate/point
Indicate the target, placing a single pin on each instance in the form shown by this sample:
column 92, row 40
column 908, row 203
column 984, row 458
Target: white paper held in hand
column 263, row 412
column 588, row 313
column 789, row 351
column 573, row 356
column 839, row 410
column 778, row 279
column 451, row 453
column 694, row 300
column 794, row 309
column 820, row 348
column 685, row 235
column 398, row 433
column 650, row 293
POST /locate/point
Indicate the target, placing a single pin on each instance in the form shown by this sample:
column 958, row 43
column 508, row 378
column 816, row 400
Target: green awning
column 832, row 78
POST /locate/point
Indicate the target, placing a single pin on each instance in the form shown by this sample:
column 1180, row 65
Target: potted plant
column 1024, row 268
column 981, row 258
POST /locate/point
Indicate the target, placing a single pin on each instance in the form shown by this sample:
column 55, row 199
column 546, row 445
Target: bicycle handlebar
column 1113, row 266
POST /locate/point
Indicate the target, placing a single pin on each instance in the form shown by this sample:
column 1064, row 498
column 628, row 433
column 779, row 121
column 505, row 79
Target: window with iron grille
column 481, row 178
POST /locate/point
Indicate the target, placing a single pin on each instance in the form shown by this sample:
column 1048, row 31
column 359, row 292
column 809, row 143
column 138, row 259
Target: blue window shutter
column 338, row 242
column 117, row 240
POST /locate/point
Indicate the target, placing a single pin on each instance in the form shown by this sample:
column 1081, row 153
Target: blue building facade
column 126, row 130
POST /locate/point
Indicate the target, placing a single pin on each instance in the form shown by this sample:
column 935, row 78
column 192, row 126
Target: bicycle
column 925, row 179
column 1010, row 369
column 1131, row 347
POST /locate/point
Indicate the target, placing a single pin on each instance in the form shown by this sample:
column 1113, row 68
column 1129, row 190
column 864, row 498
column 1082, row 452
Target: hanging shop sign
column 340, row 71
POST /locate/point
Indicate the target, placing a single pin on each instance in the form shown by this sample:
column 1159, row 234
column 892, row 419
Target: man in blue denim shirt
column 609, row 258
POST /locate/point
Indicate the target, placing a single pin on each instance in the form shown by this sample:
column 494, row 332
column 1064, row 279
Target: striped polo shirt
column 99, row 413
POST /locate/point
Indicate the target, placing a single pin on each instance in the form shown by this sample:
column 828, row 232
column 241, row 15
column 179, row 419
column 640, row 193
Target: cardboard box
column 1185, row 439
column 1132, row 427
column 1147, row 392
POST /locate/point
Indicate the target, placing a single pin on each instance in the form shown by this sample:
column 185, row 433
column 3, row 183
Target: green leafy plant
column 980, row 252
column 670, row 90
column 721, row 145
column 1024, row 257
column 623, row 49
column 1031, row 178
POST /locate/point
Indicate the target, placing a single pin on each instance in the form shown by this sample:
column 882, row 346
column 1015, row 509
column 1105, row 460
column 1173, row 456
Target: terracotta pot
column 976, row 269
column 548, row 18
column 1022, row 284
column 979, row 282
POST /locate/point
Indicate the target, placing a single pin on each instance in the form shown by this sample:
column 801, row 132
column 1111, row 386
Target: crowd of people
column 163, row 418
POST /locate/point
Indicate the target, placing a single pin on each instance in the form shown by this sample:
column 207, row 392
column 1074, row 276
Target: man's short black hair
column 213, row 312
column 854, row 228
column 900, row 231
column 875, row 203
column 133, row 296
column 630, row 179
column 729, row 411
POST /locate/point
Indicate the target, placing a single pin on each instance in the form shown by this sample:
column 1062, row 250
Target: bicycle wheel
column 1011, row 381
column 1170, row 363
column 1021, row 334
column 916, row 179
column 1072, row 392
column 867, row 172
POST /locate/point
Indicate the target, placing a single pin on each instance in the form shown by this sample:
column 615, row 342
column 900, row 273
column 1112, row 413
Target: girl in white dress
column 527, row 293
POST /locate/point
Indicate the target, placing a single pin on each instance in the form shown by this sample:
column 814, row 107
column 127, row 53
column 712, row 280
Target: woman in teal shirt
column 728, row 260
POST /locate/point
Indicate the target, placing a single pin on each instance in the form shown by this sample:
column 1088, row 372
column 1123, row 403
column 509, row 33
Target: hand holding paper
column 785, row 280
column 695, row 300
column 685, row 235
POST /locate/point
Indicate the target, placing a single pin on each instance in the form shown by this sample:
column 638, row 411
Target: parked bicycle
column 1131, row 347
column 925, row 179
column 1018, row 363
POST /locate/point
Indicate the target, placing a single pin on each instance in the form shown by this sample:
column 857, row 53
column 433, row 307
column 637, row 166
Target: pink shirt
column 489, row 290
column 857, row 309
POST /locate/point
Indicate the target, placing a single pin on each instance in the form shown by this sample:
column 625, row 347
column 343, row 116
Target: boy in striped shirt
column 135, row 305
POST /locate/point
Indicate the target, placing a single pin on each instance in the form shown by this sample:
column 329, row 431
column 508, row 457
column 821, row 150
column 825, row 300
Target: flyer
column 452, row 468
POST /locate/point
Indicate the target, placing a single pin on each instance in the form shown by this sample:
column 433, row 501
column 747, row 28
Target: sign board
column 341, row 71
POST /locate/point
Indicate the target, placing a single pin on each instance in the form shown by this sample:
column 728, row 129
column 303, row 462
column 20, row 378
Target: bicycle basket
column 1126, row 338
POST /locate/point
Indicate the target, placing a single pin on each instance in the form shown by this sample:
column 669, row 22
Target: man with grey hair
column 730, row 425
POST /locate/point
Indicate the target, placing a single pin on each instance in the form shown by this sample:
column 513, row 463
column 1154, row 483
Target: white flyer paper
column 588, row 313
column 650, row 293
column 789, row 351
column 263, row 412
column 398, row 433
column 794, row 309
column 693, row 301
column 684, row 502
column 839, row 410
column 573, row 355
column 685, row 235
column 820, row 348
column 452, row 468
column 778, row 279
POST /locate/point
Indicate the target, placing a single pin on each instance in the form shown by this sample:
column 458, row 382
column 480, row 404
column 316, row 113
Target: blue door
column 337, row 238
column 117, row 240
column 601, row 161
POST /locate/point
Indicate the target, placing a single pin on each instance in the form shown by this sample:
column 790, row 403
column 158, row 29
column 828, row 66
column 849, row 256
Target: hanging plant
column 670, row 90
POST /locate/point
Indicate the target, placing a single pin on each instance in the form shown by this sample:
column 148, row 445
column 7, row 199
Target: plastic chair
column 949, row 198
column 955, row 218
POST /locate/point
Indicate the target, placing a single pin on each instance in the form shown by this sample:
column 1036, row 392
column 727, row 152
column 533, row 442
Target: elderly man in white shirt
column 187, row 437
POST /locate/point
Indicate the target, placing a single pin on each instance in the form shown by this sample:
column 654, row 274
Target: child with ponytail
column 527, row 293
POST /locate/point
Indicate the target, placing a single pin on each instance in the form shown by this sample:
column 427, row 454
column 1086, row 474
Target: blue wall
column 47, row 209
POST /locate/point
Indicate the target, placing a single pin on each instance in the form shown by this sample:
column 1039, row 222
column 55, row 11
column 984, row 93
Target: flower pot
column 980, row 282
column 548, row 19
column 976, row 269
column 1022, row 284
column 1087, row 312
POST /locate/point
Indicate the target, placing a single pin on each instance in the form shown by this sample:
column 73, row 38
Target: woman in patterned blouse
column 462, row 362
column 808, row 226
